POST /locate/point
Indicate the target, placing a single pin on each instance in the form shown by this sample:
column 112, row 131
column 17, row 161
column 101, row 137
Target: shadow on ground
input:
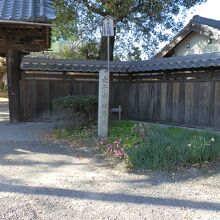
column 107, row 197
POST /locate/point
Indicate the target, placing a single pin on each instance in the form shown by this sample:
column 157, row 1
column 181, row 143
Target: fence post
column 14, row 75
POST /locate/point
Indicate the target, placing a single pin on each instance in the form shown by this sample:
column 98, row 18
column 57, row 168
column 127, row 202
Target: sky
column 210, row 9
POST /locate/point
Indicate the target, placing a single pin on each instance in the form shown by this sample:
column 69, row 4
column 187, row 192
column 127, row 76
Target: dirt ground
column 44, row 180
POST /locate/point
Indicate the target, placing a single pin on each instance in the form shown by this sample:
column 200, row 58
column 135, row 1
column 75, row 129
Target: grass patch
column 126, row 132
column 151, row 147
column 170, row 148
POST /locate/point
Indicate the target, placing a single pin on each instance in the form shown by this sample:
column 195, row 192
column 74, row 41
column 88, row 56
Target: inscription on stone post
column 103, row 103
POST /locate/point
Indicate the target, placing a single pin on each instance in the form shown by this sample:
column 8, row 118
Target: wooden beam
column 36, row 47
column 25, row 39
column 14, row 75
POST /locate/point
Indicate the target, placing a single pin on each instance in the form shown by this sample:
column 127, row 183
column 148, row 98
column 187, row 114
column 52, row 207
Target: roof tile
column 27, row 10
column 203, row 61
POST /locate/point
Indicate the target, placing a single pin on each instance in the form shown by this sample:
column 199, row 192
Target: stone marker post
column 103, row 103
column 107, row 31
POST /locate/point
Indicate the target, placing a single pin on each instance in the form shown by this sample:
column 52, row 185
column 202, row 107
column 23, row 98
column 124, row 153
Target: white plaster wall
column 198, row 45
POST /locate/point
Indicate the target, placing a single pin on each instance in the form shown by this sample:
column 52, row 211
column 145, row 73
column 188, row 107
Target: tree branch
column 93, row 8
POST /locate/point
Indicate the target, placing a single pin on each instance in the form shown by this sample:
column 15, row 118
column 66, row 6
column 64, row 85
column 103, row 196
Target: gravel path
column 39, row 180
column 4, row 113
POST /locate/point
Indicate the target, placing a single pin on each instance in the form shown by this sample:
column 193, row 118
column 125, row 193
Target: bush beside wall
column 75, row 111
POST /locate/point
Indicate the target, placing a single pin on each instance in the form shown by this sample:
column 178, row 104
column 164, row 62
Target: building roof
column 193, row 62
column 39, row 11
column 206, row 21
column 205, row 26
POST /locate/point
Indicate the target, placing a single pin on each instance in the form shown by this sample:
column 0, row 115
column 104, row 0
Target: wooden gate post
column 14, row 76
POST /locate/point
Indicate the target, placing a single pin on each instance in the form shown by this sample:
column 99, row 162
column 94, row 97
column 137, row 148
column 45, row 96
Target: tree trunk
column 103, row 55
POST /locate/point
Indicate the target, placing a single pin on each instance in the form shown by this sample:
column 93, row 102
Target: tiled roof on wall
column 27, row 10
column 193, row 62
column 86, row 66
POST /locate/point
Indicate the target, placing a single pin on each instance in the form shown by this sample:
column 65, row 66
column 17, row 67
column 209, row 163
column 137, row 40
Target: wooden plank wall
column 37, row 96
column 195, row 103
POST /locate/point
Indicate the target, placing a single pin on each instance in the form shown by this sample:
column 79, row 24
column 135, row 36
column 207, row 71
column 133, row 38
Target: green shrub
column 169, row 148
column 75, row 111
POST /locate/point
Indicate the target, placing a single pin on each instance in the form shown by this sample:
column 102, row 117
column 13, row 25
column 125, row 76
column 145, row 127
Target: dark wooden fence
column 186, row 103
column 37, row 96
column 195, row 103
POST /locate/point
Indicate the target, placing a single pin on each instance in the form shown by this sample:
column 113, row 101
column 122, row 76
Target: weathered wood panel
column 151, row 104
column 169, row 108
column 157, row 101
column 131, row 101
column 217, row 105
column 206, row 110
column 196, row 96
column 175, row 109
column 37, row 96
column 189, row 103
column 182, row 98
column 163, row 98
column 143, row 101
column 42, row 99
column 28, row 100
column 194, row 103
column 14, row 75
